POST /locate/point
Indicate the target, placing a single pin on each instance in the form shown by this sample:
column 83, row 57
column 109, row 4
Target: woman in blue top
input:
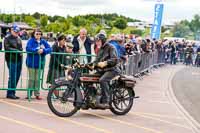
column 37, row 49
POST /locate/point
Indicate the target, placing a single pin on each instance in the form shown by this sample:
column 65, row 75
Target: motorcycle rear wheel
column 122, row 100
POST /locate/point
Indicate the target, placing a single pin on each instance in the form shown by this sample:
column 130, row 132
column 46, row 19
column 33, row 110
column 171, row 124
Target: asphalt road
column 186, row 86
column 153, row 112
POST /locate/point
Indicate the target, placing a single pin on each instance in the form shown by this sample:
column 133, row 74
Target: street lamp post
column 14, row 9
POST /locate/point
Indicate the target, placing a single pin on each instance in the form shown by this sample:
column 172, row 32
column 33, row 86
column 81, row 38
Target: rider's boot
column 105, row 102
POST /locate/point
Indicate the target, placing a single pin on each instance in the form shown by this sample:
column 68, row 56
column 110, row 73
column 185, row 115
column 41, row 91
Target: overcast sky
column 140, row 9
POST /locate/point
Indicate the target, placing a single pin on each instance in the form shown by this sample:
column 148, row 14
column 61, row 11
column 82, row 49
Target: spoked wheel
column 61, row 101
column 122, row 100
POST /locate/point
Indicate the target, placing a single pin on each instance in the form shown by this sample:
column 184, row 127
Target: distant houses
column 5, row 27
column 142, row 25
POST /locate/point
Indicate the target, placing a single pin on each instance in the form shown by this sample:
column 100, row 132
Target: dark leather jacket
column 12, row 43
column 109, row 54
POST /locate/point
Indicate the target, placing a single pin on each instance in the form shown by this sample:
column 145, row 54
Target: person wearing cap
column 107, row 65
column 12, row 43
column 188, row 54
column 69, row 47
column 55, row 69
column 37, row 49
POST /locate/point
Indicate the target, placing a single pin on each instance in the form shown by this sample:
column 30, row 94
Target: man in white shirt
column 82, row 45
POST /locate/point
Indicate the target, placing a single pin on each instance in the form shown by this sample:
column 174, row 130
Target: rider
column 107, row 65
column 197, row 60
column 189, row 50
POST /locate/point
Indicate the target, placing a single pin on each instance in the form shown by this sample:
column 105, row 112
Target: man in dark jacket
column 107, row 65
column 1, row 42
column 13, row 44
column 82, row 45
column 174, row 49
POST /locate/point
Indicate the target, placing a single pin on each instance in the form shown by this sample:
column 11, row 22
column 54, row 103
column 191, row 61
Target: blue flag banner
column 156, row 27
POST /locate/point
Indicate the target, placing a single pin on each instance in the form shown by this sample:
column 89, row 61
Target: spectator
column 114, row 41
column 82, row 45
column 130, row 47
column 173, row 53
column 12, row 43
column 35, row 60
column 55, row 70
column 181, row 50
column 167, row 49
column 139, row 44
column 0, row 43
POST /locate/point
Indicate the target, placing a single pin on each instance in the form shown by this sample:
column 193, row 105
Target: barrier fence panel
column 49, row 68
column 143, row 62
column 53, row 67
column 15, row 73
column 23, row 78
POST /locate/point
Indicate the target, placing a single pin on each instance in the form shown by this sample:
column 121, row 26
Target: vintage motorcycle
column 78, row 91
column 188, row 58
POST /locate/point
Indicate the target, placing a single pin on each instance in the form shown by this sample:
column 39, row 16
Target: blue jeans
column 14, row 74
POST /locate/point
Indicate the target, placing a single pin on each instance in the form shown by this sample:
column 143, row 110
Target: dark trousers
column 0, row 45
column 104, row 83
column 173, row 58
column 14, row 74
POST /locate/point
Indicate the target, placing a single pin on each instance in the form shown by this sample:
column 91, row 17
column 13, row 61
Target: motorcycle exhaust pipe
column 137, row 97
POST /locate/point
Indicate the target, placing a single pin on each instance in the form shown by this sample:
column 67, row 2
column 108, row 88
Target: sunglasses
column 38, row 34
column 16, row 32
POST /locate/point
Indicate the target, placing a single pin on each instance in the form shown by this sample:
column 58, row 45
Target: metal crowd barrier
column 22, row 85
column 140, row 63
column 136, row 64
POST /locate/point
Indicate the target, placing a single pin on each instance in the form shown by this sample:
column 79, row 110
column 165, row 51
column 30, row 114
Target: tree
column 195, row 24
column 120, row 23
column 8, row 18
column 181, row 30
column 43, row 21
column 53, row 27
column 137, row 32
column 65, row 25
column 30, row 21
column 78, row 21
column 36, row 15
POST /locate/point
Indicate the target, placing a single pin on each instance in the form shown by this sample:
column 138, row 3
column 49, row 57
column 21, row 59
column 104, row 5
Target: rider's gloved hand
column 102, row 64
column 91, row 67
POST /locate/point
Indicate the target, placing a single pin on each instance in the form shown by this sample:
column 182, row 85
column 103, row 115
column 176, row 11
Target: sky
column 174, row 10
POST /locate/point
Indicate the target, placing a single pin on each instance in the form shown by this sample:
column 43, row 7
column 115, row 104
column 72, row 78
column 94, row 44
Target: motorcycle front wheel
column 61, row 100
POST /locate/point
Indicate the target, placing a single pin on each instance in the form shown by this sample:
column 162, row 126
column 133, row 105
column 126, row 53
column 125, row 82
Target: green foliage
column 65, row 25
column 115, row 30
column 78, row 21
column 30, row 20
column 71, row 25
column 181, row 30
column 195, row 24
column 137, row 32
column 8, row 18
column 54, row 27
column 120, row 23
column 43, row 21
column 36, row 15
column 187, row 29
